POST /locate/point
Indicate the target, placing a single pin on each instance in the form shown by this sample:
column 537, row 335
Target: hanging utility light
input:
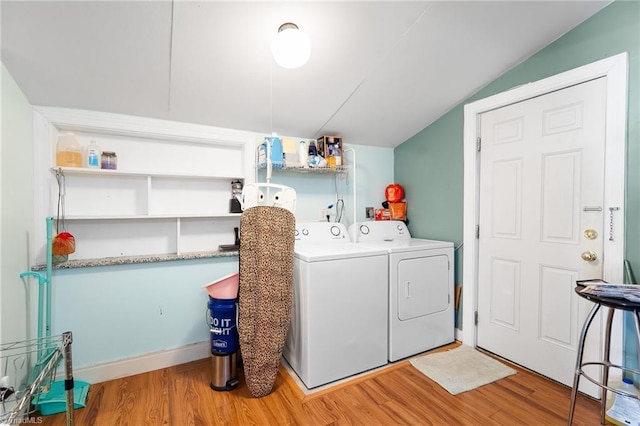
column 291, row 48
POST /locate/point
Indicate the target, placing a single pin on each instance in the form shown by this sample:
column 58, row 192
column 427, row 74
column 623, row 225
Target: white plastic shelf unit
column 169, row 195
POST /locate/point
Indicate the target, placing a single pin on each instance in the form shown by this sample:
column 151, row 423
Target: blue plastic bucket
column 222, row 324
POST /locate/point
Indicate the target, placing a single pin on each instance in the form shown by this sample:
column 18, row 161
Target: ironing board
column 265, row 299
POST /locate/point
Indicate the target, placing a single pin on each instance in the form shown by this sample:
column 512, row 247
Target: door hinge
column 475, row 318
column 478, row 144
column 477, row 231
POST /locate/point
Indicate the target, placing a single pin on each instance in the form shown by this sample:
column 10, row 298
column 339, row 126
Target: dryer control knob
column 364, row 229
column 335, row 231
column 305, row 231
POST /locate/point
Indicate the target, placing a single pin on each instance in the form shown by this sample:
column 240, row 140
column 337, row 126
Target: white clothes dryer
column 339, row 324
column 421, row 288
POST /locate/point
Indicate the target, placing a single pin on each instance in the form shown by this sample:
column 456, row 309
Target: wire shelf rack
column 28, row 370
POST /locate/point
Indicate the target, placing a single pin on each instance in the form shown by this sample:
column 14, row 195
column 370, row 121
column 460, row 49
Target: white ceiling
column 379, row 71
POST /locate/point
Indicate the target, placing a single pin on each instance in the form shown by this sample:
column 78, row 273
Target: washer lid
column 329, row 251
column 413, row 244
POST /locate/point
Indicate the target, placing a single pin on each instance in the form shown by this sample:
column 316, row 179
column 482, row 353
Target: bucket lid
column 225, row 287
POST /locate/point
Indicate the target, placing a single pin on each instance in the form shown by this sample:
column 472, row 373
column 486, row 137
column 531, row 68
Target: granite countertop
column 128, row 260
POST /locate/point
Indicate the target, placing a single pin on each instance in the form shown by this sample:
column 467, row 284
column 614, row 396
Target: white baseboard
column 141, row 364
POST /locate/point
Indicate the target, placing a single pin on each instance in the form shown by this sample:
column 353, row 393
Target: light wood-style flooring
column 395, row 395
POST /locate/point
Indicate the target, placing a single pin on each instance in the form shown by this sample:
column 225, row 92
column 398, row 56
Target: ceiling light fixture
column 291, row 48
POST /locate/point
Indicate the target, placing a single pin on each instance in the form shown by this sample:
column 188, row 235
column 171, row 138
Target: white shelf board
column 120, row 173
column 157, row 216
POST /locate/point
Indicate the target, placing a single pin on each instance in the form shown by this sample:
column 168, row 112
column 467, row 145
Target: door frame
column 614, row 69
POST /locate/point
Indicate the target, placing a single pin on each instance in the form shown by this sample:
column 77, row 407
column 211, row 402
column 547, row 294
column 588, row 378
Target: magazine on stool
column 601, row 288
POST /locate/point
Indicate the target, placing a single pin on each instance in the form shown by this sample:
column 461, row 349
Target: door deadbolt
column 589, row 255
column 590, row 234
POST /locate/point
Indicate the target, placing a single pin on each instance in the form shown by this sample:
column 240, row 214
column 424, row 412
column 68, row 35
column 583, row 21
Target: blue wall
column 119, row 312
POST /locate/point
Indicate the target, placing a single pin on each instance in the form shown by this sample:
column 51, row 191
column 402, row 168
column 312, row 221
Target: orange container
column 224, row 288
column 398, row 210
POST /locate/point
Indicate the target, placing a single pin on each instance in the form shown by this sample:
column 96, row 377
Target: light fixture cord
column 271, row 97
column 170, row 57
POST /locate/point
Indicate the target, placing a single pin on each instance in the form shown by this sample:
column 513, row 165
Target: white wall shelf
column 170, row 194
column 151, row 217
column 119, row 173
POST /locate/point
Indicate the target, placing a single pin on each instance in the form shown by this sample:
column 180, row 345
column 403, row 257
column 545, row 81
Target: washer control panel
column 317, row 232
column 382, row 230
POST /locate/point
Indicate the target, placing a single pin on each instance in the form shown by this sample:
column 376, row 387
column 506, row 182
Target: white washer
column 421, row 289
column 339, row 324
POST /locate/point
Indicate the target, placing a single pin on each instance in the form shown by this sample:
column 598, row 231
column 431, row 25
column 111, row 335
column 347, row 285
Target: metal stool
column 612, row 304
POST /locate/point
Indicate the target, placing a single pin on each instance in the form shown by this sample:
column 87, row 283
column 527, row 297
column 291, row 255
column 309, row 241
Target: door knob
column 590, row 234
column 589, row 255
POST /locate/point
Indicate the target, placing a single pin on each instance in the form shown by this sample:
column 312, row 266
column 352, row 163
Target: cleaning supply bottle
column 93, row 155
column 303, row 154
column 277, row 153
column 68, row 151
column 622, row 410
column 271, row 149
column 313, row 151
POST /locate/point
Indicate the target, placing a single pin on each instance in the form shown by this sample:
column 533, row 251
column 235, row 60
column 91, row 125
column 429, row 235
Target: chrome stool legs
column 578, row 371
column 606, row 361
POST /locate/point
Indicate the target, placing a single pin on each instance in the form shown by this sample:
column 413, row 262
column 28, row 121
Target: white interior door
column 541, row 196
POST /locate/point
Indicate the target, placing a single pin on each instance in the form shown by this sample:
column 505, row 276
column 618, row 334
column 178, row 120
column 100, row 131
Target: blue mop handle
column 48, row 277
column 44, row 288
column 41, row 280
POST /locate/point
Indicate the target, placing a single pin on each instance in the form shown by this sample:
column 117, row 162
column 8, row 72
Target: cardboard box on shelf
column 331, row 146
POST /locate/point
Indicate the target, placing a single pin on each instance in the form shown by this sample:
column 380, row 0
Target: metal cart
column 28, row 371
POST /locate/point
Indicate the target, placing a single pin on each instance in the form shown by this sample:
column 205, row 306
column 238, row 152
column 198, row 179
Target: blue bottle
column 275, row 148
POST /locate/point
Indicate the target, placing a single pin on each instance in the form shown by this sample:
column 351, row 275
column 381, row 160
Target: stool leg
column 606, row 364
column 578, row 372
column 636, row 321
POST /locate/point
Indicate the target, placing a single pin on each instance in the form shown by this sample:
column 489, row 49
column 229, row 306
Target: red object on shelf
column 398, row 210
column 63, row 243
column 394, row 193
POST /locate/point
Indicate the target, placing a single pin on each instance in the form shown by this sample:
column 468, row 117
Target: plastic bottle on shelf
column 313, row 151
column 337, row 152
column 68, row 151
column 303, row 154
column 331, row 161
column 622, row 410
column 93, row 155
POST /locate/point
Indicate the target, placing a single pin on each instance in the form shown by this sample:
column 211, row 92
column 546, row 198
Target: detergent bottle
column 271, row 148
column 622, row 410
column 93, row 156
column 68, row 151
column 303, row 154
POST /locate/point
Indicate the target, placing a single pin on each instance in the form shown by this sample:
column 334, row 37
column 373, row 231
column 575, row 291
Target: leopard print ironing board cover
column 265, row 300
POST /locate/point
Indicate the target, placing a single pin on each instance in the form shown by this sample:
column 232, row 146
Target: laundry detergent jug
column 271, row 148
